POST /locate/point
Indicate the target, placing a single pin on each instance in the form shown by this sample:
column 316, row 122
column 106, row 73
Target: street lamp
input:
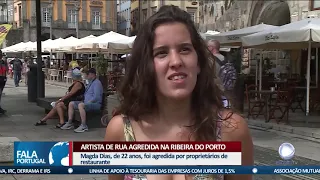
column 77, row 9
column 50, row 6
column 40, row 75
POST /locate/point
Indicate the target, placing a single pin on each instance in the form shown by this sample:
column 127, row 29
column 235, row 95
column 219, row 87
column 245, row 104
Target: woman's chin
column 179, row 95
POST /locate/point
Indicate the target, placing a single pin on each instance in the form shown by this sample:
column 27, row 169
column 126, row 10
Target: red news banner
column 156, row 153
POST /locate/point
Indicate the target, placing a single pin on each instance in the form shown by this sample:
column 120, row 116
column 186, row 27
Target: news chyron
column 205, row 159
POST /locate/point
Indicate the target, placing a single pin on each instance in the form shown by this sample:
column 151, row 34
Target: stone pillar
column 59, row 5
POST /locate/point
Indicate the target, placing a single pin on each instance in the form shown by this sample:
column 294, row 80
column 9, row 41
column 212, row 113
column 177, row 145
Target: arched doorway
column 273, row 13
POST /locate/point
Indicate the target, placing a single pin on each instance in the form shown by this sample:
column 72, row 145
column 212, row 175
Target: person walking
column 17, row 70
column 225, row 72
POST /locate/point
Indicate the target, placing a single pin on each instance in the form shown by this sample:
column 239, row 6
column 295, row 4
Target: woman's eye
column 160, row 54
column 185, row 50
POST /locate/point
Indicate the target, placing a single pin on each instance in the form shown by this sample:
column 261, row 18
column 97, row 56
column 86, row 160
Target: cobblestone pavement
column 21, row 116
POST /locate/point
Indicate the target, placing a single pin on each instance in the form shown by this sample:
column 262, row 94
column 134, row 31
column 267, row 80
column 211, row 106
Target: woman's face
column 175, row 61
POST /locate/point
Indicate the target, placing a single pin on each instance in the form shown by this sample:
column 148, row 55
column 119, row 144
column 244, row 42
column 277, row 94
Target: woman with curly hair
column 169, row 93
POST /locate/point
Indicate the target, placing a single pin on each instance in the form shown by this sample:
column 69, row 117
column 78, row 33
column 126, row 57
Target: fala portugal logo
column 41, row 154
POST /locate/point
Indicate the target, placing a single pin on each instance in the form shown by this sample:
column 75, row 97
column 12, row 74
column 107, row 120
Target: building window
column 315, row 4
column 10, row 13
column 20, row 15
column 72, row 18
column 46, row 17
column 96, row 20
column 10, row 9
column 192, row 15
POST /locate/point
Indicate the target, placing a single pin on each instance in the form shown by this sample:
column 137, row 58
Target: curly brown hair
column 138, row 90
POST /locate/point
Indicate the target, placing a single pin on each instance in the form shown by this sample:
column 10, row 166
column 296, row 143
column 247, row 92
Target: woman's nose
column 175, row 59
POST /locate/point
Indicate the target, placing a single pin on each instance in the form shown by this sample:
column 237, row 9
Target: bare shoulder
column 233, row 125
column 115, row 132
column 235, row 128
column 115, row 129
column 77, row 84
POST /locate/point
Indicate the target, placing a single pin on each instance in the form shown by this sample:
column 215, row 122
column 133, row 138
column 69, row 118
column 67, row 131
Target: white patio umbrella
column 13, row 48
column 296, row 35
column 30, row 46
column 233, row 38
column 100, row 42
column 208, row 33
column 49, row 44
column 122, row 45
column 67, row 45
column 103, row 40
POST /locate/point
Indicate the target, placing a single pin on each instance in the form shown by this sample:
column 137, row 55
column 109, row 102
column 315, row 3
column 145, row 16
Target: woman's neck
column 174, row 112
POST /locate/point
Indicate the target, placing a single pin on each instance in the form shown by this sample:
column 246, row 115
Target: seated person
column 75, row 93
column 92, row 102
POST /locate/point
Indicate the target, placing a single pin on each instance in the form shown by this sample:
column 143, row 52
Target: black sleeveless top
column 78, row 96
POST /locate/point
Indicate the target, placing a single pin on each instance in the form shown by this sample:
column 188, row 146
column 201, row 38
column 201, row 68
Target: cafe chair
column 254, row 101
column 280, row 105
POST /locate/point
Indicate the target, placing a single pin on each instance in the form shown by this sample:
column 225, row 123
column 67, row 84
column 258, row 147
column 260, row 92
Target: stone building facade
column 226, row 15
column 94, row 17
column 143, row 9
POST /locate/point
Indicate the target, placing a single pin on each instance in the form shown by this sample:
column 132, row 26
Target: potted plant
column 101, row 66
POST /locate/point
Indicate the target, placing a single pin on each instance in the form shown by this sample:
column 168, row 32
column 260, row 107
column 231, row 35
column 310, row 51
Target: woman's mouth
column 177, row 77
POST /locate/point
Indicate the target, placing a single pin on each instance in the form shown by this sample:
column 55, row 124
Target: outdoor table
column 266, row 94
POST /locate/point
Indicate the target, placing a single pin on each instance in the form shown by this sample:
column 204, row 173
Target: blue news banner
column 160, row 170
column 54, row 158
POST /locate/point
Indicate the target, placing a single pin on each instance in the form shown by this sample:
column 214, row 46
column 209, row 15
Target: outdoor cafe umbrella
column 296, row 35
column 71, row 45
column 14, row 48
column 122, row 46
column 208, row 33
column 49, row 44
column 233, row 38
column 100, row 42
column 64, row 45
